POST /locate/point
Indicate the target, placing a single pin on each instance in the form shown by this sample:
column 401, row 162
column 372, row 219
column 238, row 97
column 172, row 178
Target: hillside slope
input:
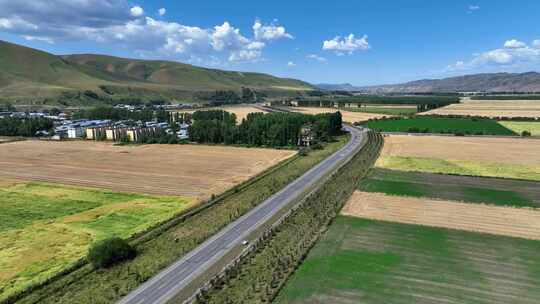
column 495, row 82
column 29, row 74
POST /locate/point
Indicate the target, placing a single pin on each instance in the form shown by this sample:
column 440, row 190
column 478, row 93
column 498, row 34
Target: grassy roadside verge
column 158, row 250
column 259, row 277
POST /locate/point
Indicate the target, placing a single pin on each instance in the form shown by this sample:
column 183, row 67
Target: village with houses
column 68, row 127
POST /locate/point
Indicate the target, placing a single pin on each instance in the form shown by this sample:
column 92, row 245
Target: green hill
column 32, row 76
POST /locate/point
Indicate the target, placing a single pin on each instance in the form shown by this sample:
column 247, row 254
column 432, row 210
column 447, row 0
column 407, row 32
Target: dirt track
column 514, row 222
column 189, row 170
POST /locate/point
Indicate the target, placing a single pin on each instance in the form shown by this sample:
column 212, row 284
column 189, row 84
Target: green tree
column 109, row 252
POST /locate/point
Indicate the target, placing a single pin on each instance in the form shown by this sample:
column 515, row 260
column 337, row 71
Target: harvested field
column 348, row 116
column 520, row 126
column 162, row 249
column 386, row 109
column 366, row 261
column 492, row 191
column 491, row 108
column 493, row 157
column 188, row 170
column 241, row 112
column 514, row 222
column 6, row 139
column 47, row 228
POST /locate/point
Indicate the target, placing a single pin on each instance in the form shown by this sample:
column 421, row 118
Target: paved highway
column 164, row 286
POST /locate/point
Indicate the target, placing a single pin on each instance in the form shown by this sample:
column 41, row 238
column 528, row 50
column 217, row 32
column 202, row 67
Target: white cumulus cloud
column 317, row 58
column 514, row 44
column 291, row 64
column 136, row 11
column 116, row 22
column 346, row 45
column 269, row 32
column 513, row 55
column 16, row 22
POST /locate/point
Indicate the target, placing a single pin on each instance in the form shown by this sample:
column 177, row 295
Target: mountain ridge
column 31, row 74
column 482, row 82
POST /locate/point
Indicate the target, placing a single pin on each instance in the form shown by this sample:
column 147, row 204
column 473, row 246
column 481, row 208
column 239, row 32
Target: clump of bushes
column 303, row 151
column 526, row 134
column 109, row 252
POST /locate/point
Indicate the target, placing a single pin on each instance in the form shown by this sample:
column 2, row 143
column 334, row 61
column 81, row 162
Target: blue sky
column 360, row 42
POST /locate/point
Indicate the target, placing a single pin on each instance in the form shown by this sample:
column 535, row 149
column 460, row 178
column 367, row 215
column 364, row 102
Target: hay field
column 187, row 170
column 46, row 228
column 491, row 108
column 491, row 157
column 241, row 111
column 506, row 221
column 370, row 262
column 348, row 116
column 520, row 126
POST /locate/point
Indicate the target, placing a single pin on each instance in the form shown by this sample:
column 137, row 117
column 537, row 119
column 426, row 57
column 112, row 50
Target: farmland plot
column 47, row 228
column 491, row 108
column 241, row 111
column 348, row 116
column 366, row 261
column 515, row 222
column 188, row 170
column 492, row 157
column 492, row 191
column 421, row 124
column 520, row 126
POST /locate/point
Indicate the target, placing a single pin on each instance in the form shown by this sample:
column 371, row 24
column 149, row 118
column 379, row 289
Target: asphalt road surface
column 168, row 283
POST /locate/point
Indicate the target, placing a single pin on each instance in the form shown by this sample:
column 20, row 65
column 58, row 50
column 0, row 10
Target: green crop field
column 365, row 261
column 520, row 126
column 46, row 228
column 460, row 167
column 501, row 192
column 427, row 124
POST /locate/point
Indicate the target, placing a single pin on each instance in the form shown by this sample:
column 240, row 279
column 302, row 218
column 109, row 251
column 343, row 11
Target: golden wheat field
column 491, row 108
column 348, row 116
column 187, row 170
column 241, row 111
column 507, row 221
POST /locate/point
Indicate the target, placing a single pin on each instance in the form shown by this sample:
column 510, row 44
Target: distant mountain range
column 337, row 87
column 493, row 82
column 31, row 75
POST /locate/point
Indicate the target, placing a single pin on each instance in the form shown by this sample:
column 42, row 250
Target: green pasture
column 365, row 261
column 46, row 228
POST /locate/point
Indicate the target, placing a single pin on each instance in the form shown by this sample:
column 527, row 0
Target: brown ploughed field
column 187, row 170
